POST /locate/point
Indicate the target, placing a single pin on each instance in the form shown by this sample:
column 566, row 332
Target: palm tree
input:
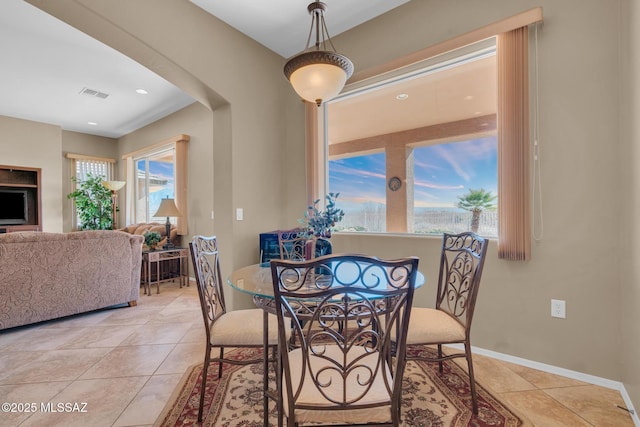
column 476, row 201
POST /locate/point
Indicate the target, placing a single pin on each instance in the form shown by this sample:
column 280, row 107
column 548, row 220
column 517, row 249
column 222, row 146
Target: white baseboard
column 591, row 379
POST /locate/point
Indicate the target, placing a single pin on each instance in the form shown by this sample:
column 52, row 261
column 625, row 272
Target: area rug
column 429, row 398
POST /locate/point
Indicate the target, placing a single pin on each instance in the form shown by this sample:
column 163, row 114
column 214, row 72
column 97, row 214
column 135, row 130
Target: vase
column 323, row 247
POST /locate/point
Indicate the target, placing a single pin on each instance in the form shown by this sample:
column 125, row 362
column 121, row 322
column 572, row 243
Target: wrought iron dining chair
column 295, row 245
column 342, row 374
column 238, row 328
column 461, row 263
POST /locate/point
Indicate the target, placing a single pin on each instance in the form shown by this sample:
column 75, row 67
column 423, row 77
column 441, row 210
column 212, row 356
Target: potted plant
column 319, row 223
column 93, row 203
column 151, row 239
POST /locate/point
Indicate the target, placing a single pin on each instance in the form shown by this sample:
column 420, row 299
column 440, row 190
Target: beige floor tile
column 10, row 361
column 82, row 320
column 150, row 400
column 177, row 315
column 182, row 357
column 43, row 339
column 8, row 337
column 597, row 405
column 162, row 299
column 541, row 409
column 129, row 361
column 495, row 376
column 137, row 315
column 102, row 336
column 195, row 334
column 158, row 333
column 105, row 400
column 58, row 365
column 542, row 379
column 31, row 394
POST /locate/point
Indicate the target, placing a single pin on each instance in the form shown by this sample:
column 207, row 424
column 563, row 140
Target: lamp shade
column 113, row 185
column 167, row 208
column 318, row 76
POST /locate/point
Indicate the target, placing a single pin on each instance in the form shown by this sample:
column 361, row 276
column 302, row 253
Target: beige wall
column 629, row 232
column 37, row 145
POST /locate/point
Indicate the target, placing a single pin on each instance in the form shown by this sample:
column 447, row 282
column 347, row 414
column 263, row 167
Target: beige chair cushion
column 311, row 395
column 243, row 327
column 428, row 325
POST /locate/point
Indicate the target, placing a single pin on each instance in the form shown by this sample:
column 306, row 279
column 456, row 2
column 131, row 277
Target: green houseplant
column 151, row 239
column 93, row 203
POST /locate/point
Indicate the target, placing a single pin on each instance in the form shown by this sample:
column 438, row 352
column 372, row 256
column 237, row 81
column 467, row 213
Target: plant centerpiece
column 151, row 239
column 93, row 203
column 320, row 223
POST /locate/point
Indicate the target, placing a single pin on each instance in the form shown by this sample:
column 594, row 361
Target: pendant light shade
column 318, row 74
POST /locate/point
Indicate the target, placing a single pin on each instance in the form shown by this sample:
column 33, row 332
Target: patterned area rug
column 430, row 398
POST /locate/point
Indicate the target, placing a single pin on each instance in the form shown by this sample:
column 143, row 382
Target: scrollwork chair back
column 295, row 245
column 343, row 308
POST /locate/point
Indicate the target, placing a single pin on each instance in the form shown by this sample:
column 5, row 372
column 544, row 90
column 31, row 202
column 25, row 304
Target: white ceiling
column 47, row 63
column 283, row 25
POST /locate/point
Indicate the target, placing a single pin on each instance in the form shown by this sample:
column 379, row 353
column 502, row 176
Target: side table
column 160, row 265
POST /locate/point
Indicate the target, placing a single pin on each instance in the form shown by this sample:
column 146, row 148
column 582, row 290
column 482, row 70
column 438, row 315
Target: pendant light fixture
column 318, row 74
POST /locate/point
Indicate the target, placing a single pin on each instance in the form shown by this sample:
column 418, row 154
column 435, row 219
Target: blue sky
column 162, row 170
column 441, row 173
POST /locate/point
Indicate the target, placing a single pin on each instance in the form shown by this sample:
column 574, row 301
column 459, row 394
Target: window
column 402, row 153
column 159, row 171
column 81, row 167
column 512, row 130
column 155, row 180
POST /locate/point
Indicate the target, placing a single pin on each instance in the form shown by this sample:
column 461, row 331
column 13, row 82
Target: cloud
column 437, row 186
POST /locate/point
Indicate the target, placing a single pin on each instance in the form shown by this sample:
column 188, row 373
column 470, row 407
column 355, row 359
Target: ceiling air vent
column 94, row 93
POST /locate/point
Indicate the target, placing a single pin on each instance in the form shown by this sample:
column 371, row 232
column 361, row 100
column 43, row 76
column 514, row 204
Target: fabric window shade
column 181, row 186
column 514, row 225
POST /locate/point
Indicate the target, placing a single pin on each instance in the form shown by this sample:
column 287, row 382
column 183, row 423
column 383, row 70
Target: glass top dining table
column 256, row 280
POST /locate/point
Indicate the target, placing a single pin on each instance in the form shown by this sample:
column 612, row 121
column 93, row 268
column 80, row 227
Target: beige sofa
column 44, row 276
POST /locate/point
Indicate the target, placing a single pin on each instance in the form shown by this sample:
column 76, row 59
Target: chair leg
column 472, row 380
column 205, row 370
column 220, row 363
column 440, row 357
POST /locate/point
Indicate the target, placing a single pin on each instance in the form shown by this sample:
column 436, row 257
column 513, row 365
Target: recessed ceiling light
column 402, row 96
column 92, row 123
column 141, row 91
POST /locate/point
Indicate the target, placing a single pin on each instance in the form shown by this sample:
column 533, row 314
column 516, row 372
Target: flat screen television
column 13, row 207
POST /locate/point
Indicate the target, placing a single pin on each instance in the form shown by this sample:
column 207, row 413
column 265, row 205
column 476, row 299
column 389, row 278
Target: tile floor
column 124, row 363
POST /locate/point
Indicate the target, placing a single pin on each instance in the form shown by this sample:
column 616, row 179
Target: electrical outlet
column 239, row 214
column 558, row 308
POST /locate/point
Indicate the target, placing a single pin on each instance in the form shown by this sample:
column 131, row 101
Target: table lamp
column 168, row 208
column 114, row 186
